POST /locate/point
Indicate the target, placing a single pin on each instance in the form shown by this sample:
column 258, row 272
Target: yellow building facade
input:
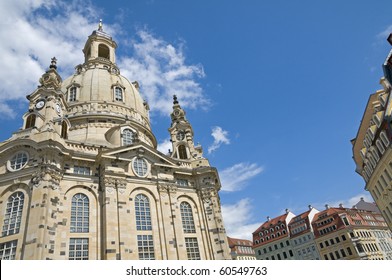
column 372, row 151
column 83, row 179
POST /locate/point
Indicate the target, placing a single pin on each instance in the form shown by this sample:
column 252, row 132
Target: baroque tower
column 83, row 179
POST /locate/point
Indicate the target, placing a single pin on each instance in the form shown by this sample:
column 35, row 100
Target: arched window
column 142, row 213
column 103, row 51
column 384, row 138
column 182, row 152
column 13, row 214
column 118, row 94
column 380, row 146
column 72, row 94
column 127, row 137
column 80, row 212
column 64, row 130
column 188, row 223
column 30, row 121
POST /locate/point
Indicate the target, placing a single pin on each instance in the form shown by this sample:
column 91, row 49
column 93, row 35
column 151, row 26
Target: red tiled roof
column 238, row 242
column 272, row 223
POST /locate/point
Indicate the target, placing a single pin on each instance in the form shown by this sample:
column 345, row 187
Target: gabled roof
column 140, row 147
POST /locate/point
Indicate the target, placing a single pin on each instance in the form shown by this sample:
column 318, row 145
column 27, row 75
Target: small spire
column 175, row 101
column 100, row 25
column 53, row 63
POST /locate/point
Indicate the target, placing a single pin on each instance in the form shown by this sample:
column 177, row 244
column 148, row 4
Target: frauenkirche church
column 83, row 179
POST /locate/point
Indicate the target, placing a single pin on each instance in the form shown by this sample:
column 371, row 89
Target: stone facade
column 83, row 178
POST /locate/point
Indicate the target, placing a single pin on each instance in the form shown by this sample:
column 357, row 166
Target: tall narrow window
column 192, row 248
column 127, row 137
column 182, row 152
column 78, row 249
column 72, row 94
column 384, row 138
column 30, row 121
column 188, row 224
column 80, row 213
column 145, row 246
column 142, row 213
column 64, row 130
column 13, row 214
column 8, row 250
column 118, row 94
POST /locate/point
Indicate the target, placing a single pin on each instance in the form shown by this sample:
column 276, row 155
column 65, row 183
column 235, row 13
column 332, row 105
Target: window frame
column 73, row 248
column 140, row 170
column 142, row 213
column 192, row 248
column 188, row 222
column 13, row 214
column 127, row 137
column 118, row 93
column 72, row 94
column 145, row 247
column 18, row 161
column 80, row 214
column 9, row 246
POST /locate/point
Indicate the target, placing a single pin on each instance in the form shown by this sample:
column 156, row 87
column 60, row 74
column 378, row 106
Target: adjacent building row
column 332, row 234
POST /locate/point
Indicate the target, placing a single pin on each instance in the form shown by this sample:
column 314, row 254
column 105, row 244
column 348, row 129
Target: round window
column 18, row 161
column 140, row 167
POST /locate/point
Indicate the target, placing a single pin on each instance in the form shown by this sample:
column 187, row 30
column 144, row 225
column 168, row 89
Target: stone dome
column 99, row 96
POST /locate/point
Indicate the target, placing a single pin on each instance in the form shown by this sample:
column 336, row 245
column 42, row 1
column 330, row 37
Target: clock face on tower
column 180, row 135
column 40, row 104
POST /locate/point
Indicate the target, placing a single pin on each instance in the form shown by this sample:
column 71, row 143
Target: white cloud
column 237, row 219
column 33, row 31
column 347, row 203
column 220, row 137
column 235, row 178
column 384, row 34
column 162, row 71
column 164, row 146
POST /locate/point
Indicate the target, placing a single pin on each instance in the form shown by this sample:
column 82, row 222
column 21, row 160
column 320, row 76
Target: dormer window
column 384, row 139
column 127, row 137
column 380, row 146
column 72, row 94
column 118, row 94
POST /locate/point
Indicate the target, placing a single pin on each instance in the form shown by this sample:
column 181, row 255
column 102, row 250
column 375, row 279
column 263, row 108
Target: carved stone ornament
column 49, row 174
column 165, row 189
column 51, row 80
column 208, row 193
column 112, row 183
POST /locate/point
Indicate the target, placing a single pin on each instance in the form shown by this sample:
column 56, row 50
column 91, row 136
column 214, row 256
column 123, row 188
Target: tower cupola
column 100, row 47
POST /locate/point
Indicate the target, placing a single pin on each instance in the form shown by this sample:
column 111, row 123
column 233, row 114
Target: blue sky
column 275, row 90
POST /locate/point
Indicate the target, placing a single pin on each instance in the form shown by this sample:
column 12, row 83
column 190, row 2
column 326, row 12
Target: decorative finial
column 175, row 99
column 100, row 25
column 53, row 63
